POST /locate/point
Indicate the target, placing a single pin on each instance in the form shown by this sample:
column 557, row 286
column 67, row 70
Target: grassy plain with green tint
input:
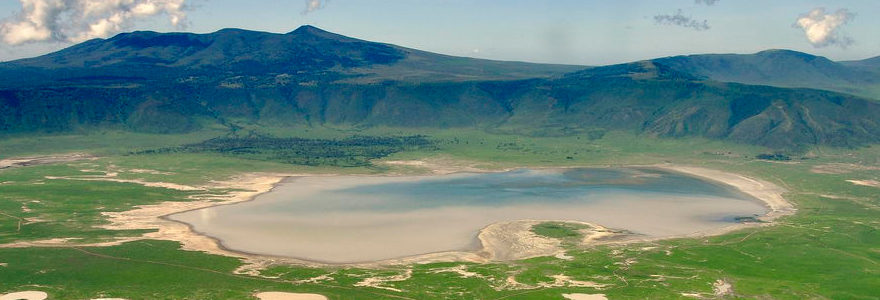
column 829, row 249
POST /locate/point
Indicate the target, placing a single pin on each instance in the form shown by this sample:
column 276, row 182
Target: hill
column 180, row 82
column 871, row 64
column 308, row 53
column 782, row 68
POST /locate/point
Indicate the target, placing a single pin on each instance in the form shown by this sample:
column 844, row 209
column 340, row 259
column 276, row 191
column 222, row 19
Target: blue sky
column 587, row 32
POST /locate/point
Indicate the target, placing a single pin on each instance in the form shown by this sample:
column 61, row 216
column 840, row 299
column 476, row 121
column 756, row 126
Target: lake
column 348, row 219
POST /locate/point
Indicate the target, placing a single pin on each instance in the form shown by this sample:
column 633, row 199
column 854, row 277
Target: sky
column 583, row 32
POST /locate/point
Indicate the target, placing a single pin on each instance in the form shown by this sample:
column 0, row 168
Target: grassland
column 829, row 249
column 557, row 230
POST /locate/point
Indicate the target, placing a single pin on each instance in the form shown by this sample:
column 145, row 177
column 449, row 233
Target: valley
column 121, row 159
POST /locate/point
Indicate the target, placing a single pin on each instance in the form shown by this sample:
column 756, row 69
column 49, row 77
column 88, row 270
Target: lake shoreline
column 496, row 240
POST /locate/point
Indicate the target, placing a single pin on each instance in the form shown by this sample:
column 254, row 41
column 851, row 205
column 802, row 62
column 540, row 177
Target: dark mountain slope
column 782, row 68
column 306, row 48
column 308, row 53
column 167, row 83
column 870, row 64
column 649, row 98
column 656, row 105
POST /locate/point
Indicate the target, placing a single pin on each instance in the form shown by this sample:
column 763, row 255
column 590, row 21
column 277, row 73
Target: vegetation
column 192, row 82
column 835, row 223
column 558, row 230
column 775, row 156
column 568, row 233
column 355, row 151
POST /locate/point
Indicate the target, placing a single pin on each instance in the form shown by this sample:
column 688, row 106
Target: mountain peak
column 152, row 39
column 306, row 49
column 312, row 32
column 785, row 53
column 308, row 29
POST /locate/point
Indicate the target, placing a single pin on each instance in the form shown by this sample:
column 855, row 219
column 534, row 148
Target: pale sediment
column 515, row 240
column 42, row 160
column 245, row 188
column 768, row 193
column 25, row 295
column 288, row 296
column 871, row 183
column 577, row 296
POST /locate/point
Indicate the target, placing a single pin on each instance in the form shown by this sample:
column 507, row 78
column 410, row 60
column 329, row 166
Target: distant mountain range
column 178, row 82
column 784, row 68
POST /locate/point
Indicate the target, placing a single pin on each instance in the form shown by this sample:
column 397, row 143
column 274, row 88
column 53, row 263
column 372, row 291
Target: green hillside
column 180, row 82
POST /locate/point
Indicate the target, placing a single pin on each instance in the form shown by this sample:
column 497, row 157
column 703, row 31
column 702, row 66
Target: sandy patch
column 438, row 165
column 511, row 284
column 41, row 243
column 26, row 295
column 410, row 163
column 316, row 279
column 379, row 282
column 563, row 256
column 461, row 270
column 722, row 288
column 871, row 183
column 692, row 295
column 288, row 296
column 584, row 296
column 561, row 280
column 110, row 178
column 515, row 240
column 767, row 192
column 148, row 171
column 451, row 256
column 598, row 234
column 841, row 168
column 247, row 186
column 42, row 160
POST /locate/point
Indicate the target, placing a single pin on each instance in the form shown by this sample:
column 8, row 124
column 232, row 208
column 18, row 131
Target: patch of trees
column 778, row 156
column 355, row 151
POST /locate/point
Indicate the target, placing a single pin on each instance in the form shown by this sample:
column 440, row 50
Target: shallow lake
column 347, row 219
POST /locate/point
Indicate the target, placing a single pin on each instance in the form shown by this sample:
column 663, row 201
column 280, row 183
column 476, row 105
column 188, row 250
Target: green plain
column 829, row 249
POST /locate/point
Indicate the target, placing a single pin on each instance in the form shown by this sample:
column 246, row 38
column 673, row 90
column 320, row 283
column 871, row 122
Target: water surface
column 348, row 219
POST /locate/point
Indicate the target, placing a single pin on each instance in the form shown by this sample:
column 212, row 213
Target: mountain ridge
column 244, row 52
column 180, row 82
column 781, row 68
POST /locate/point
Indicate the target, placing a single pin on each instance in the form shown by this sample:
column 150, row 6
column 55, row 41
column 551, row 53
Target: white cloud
column 706, row 2
column 313, row 5
column 679, row 19
column 821, row 28
column 80, row 20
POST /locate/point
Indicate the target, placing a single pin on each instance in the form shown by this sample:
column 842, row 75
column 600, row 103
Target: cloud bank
column 706, row 2
column 679, row 19
column 80, row 20
column 821, row 28
column 313, row 5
